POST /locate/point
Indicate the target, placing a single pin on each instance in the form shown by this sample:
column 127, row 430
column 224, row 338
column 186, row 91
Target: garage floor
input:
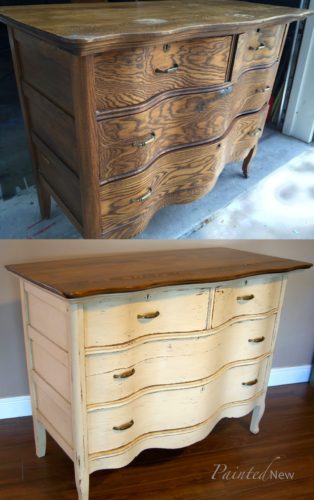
column 277, row 201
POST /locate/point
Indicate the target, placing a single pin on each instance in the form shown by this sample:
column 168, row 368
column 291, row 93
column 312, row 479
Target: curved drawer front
column 255, row 296
column 129, row 77
column 119, row 319
column 115, row 375
column 172, row 409
column 129, row 143
column 176, row 177
column 258, row 47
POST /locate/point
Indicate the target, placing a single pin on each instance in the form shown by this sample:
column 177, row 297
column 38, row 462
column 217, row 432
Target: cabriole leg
column 246, row 165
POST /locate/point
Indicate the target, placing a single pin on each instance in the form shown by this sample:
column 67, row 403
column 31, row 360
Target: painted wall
column 295, row 344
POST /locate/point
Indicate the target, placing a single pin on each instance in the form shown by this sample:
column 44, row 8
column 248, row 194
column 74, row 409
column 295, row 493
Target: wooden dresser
column 133, row 106
column 114, row 342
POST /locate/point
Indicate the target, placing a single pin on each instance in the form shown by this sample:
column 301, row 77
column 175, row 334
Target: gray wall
column 295, row 344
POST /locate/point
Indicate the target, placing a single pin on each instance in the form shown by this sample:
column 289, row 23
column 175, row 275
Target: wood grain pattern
column 139, row 270
column 190, row 407
column 258, row 47
column 176, row 177
column 212, row 349
column 178, row 121
column 127, row 77
column 92, row 28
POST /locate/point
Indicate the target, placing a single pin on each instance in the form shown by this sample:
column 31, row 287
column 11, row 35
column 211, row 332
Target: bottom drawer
column 118, row 425
column 176, row 177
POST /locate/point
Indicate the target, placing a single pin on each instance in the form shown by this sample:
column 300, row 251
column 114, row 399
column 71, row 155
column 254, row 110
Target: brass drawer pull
column 255, row 132
column 261, row 46
column 147, row 140
column 263, row 90
column 257, row 340
column 251, row 382
column 245, row 298
column 173, row 69
column 143, row 197
column 123, row 427
column 148, row 315
column 126, row 374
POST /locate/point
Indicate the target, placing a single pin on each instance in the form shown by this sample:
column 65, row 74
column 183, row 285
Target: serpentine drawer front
column 131, row 107
column 113, row 342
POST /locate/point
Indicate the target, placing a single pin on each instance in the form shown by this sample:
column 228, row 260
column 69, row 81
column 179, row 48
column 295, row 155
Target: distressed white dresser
column 113, row 342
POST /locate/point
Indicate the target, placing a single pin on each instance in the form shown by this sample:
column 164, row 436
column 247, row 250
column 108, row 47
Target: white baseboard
column 20, row 406
column 289, row 375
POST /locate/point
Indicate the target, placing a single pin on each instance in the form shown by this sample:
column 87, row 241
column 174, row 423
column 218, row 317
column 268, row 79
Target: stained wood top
column 76, row 278
column 87, row 28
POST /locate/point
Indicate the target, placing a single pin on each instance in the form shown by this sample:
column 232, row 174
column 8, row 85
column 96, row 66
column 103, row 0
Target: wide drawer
column 119, row 319
column 176, row 177
column 258, row 47
column 129, row 143
column 251, row 296
column 132, row 76
column 115, row 375
column 115, row 426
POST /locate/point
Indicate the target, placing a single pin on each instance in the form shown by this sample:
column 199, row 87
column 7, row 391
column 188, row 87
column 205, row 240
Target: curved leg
column 256, row 416
column 40, row 438
column 247, row 162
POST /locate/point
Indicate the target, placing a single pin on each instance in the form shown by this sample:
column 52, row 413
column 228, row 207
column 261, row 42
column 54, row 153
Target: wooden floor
column 287, row 431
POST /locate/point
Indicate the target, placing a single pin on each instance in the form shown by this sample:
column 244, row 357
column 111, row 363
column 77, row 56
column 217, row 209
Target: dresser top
column 75, row 278
column 88, row 28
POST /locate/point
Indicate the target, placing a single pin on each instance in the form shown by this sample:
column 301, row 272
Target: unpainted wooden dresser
column 133, row 106
column 113, row 342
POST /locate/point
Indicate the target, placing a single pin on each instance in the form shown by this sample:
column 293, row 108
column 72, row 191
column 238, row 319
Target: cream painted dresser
column 113, row 342
column 133, row 106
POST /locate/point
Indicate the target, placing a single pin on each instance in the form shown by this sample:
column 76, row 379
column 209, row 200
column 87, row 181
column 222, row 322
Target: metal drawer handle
column 251, row 382
column 143, row 142
column 148, row 315
column 257, row 340
column 245, row 298
column 123, row 427
column 173, row 69
column 261, row 46
column 255, row 132
column 263, row 90
column 126, row 374
column 143, row 197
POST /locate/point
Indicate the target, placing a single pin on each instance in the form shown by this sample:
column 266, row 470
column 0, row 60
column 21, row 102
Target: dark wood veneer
column 138, row 270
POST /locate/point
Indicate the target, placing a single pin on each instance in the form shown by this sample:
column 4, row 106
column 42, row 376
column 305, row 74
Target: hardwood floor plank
column 185, row 474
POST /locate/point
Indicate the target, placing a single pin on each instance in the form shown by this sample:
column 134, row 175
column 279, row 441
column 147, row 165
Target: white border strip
column 20, row 406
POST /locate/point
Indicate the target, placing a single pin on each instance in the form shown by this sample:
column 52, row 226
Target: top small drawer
column 122, row 318
column 250, row 296
column 131, row 76
column 258, row 47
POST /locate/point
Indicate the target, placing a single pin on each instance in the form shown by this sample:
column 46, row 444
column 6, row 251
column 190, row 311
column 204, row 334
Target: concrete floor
column 236, row 208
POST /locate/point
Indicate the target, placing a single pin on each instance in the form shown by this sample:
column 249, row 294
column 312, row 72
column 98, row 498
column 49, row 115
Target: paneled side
column 53, row 126
column 46, row 68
